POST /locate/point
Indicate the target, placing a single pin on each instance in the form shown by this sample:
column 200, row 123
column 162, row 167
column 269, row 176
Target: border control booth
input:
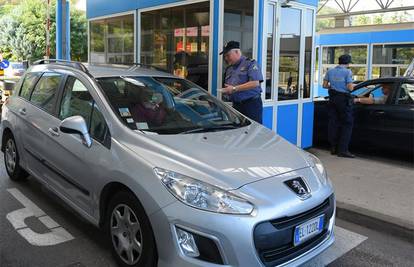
column 185, row 38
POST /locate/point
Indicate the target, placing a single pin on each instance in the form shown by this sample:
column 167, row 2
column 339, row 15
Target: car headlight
column 317, row 165
column 201, row 195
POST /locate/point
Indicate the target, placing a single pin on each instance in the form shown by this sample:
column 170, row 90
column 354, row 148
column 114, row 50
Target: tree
column 23, row 31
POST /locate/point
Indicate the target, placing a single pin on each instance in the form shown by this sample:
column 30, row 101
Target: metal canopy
column 384, row 4
column 346, row 5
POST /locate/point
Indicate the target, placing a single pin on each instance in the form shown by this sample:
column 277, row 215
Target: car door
column 37, row 122
column 18, row 106
column 399, row 121
column 80, row 167
column 369, row 120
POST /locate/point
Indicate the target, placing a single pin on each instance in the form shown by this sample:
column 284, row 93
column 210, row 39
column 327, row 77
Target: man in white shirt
column 386, row 90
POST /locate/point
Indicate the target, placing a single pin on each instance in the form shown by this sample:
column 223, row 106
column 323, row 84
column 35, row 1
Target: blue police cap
column 229, row 46
column 345, row 59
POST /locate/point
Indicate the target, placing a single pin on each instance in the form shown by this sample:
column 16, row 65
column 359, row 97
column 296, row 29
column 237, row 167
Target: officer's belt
column 248, row 99
column 333, row 92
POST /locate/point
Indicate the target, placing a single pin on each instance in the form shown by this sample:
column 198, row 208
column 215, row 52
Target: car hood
column 228, row 159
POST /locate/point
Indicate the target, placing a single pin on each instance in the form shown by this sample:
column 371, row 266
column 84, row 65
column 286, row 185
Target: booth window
column 176, row 39
column 359, row 54
column 316, row 77
column 270, row 32
column 289, row 57
column 112, row 40
column 238, row 24
column 390, row 60
column 307, row 81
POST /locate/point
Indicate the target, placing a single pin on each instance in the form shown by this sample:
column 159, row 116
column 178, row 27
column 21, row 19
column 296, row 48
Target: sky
column 81, row 4
column 370, row 4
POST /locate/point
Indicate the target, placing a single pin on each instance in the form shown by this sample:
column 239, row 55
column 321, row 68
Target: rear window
column 28, row 83
column 168, row 105
column 44, row 94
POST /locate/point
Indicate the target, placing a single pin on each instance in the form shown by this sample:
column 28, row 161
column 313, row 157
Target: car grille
column 274, row 239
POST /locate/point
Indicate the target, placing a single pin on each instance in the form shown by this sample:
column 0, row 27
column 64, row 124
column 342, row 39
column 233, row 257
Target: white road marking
column 345, row 240
column 56, row 235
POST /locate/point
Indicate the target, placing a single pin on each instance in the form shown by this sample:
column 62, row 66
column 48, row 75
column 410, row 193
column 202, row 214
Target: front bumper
column 233, row 235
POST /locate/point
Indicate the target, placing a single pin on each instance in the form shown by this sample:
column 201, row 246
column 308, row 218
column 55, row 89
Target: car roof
column 388, row 80
column 103, row 70
column 384, row 80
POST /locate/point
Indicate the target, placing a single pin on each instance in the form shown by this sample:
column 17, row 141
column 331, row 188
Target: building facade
column 185, row 38
column 377, row 51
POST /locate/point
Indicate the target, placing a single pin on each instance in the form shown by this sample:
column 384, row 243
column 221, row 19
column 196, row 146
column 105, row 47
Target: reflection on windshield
column 167, row 105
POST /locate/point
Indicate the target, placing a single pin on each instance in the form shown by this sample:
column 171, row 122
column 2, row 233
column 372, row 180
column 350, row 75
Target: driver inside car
column 150, row 108
column 386, row 89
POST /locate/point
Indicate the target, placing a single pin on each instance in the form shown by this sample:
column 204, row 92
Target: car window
column 28, row 83
column 406, row 95
column 381, row 93
column 17, row 65
column 167, row 105
column 44, row 93
column 77, row 100
column 377, row 92
column 360, row 91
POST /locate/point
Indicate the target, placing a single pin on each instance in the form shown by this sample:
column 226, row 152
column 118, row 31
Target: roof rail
column 74, row 64
column 135, row 65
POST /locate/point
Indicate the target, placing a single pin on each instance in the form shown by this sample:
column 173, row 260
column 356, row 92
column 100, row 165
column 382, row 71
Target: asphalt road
column 81, row 244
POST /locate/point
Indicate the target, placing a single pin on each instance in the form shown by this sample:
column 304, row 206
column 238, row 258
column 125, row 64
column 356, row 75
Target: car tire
column 131, row 237
column 12, row 160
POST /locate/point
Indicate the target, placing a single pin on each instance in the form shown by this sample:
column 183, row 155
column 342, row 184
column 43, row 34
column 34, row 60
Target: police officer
column 339, row 83
column 242, row 80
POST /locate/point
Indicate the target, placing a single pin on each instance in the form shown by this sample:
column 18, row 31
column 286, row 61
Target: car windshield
column 168, row 106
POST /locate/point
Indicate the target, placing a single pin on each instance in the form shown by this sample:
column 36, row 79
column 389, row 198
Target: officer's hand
column 228, row 89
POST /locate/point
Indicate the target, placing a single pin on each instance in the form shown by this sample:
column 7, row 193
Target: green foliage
column 23, row 31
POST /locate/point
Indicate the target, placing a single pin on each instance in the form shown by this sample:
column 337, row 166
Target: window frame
column 105, row 20
column 328, row 65
column 57, row 94
column 106, row 142
column 40, row 74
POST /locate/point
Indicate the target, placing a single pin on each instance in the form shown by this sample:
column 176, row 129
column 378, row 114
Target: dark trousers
column 252, row 108
column 341, row 120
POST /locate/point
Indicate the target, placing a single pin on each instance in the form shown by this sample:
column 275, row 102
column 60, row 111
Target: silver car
column 174, row 176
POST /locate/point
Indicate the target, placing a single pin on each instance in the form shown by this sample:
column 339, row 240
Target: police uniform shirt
column 242, row 72
column 338, row 78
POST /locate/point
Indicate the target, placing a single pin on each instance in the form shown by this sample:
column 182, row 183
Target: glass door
column 289, row 53
column 295, row 51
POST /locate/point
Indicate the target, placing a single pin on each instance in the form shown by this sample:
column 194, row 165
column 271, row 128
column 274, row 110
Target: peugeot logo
column 299, row 187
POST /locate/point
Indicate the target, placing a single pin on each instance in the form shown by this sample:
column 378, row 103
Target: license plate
column 308, row 230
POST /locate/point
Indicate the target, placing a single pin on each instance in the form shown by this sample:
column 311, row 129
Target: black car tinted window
column 78, row 101
column 44, row 94
column 28, row 83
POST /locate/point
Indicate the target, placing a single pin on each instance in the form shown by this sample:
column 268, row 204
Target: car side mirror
column 76, row 125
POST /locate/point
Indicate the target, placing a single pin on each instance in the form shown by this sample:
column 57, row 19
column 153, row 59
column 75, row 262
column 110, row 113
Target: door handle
column 22, row 111
column 54, row 131
column 379, row 112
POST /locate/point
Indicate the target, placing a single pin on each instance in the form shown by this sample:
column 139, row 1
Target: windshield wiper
column 210, row 129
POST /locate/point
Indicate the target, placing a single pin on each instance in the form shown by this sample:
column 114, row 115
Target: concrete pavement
column 373, row 187
column 88, row 246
